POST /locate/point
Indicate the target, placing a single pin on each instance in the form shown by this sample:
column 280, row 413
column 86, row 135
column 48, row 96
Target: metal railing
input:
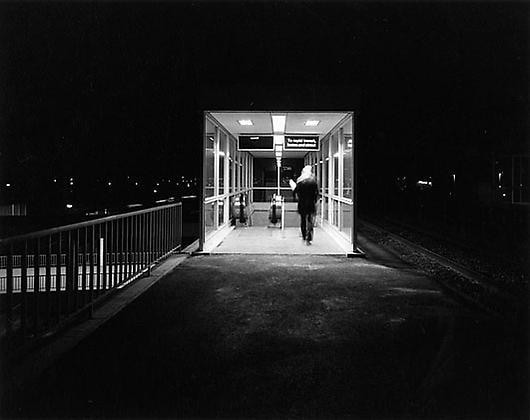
column 77, row 265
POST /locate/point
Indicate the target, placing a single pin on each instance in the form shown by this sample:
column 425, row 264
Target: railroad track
column 469, row 285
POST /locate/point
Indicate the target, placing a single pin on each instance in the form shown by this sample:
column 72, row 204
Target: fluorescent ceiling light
column 245, row 122
column 312, row 123
column 278, row 123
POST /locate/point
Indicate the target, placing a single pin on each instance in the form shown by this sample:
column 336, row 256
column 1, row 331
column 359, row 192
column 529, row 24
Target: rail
column 50, row 276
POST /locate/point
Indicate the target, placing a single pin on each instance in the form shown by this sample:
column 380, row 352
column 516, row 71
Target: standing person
column 306, row 192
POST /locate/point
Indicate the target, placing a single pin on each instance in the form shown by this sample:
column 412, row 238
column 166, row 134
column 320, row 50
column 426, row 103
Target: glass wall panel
column 232, row 170
column 238, row 170
column 209, row 216
column 347, row 186
column 336, row 206
column 210, row 142
column 347, row 217
column 222, row 155
column 221, row 204
column 335, row 168
column 325, row 204
column 325, row 164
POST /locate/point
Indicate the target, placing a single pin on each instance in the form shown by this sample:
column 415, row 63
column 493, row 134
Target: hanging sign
column 301, row 142
column 257, row 142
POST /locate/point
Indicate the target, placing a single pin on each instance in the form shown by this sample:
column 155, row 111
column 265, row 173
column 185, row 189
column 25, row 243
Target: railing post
column 150, row 242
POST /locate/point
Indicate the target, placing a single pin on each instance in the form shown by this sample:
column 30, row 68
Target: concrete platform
column 287, row 336
column 266, row 240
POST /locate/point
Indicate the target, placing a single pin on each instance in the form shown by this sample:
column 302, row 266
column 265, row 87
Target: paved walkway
column 288, row 336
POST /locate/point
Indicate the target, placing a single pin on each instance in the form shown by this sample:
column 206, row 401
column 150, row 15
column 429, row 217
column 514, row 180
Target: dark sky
column 112, row 87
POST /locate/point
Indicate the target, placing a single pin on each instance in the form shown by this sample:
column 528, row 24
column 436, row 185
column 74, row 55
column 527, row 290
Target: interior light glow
column 278, row 123
column 245, row 122
column 278, row 141
column 311, row 123
column 69, row 206
column 254, row 138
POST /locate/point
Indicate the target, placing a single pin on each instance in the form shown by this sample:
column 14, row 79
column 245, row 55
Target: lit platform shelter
column 248, row 160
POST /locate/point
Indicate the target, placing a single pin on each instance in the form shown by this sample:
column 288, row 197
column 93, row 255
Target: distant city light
column 54, row 179
column 136, row 183
column 71, row 182
column 69, row 206
column 155, row 191
column 71, row 179
column 109, row 183
column 504, row 194
column 8, row 184
column 454, row 177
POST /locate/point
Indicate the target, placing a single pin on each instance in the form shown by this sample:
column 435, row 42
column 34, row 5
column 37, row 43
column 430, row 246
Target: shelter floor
column 270, row 240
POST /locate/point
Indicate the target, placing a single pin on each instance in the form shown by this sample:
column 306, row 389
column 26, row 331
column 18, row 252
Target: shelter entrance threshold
column 266, row 240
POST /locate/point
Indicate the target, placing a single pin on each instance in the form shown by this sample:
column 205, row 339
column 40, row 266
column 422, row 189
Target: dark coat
column 306, row 192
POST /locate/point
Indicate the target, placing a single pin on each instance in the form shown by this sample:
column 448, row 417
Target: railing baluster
column 85, row 261
column 166, row 231
column 69, row 268
column 150, row 242
column 76, row 269
column 159, row 233
column 36, row 284
column 126, row 234
column 91, row 260
column 9, row 289
column 58, row 276
column 133, row 248
column 105, row 255
column 179, row 224
column 112, row 256
column 122, row 249
column 116, row 254
column 23, row 289
column 48, row 282
column 99, row 259
column 142, row 239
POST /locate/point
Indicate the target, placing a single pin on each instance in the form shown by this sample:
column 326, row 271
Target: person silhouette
column 306, row 192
